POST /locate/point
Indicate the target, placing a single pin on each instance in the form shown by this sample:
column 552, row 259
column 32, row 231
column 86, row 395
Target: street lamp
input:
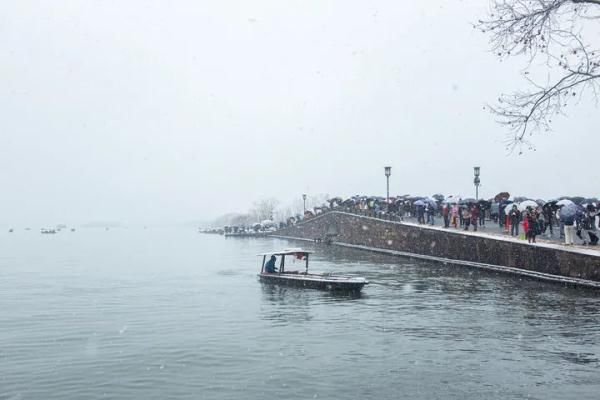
column 388, row 172
column 304, row 200
column 476, row 181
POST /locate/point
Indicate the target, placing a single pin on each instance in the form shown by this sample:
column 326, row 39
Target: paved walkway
column 493, row 228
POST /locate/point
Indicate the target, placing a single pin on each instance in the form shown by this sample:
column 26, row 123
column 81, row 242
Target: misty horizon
column 154, row 113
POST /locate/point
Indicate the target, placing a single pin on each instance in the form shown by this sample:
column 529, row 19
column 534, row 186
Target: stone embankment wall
column 479, row 250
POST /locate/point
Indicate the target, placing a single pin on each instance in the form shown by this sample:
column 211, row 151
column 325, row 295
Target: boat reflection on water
column 288, row 305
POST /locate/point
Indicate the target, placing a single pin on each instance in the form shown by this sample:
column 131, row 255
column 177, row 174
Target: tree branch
column 551, row 28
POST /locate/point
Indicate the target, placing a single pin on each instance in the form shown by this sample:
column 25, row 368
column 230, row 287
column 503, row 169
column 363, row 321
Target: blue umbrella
column 432, row 203
column 568, row 212
column 420, row 203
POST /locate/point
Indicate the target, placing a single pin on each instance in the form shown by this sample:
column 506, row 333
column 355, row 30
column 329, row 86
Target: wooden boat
column 304, row 279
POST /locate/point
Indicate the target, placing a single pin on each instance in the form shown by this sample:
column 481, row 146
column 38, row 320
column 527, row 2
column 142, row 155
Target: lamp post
column 304, row 200
column 476, row 181
column 388, row 172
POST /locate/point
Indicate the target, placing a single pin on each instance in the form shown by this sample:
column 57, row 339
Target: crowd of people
column 519, row 217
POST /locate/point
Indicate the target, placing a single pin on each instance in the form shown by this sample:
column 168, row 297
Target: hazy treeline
column 271, row 209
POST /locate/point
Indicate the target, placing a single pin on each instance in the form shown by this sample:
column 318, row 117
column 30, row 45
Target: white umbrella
column 527, row 203
column 454, row 199
column 508, row 208
column 564, row 202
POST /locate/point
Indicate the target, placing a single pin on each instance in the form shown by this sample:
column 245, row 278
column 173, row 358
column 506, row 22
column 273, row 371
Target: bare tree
column 554, row 31
column 264, row 209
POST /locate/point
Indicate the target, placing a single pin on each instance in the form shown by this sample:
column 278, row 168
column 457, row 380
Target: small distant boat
column 72, row 229
column 10, row 230
column 48, row 231
column 304, row 279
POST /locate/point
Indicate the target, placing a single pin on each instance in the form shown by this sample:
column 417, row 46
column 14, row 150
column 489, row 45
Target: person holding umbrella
column 532, row 225
column 420, row 212
column 567, row 214
column 548, row 211
column 483, row 207
column 515, row 219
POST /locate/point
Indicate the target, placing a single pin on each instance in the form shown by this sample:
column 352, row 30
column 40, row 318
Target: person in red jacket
column 446, row 215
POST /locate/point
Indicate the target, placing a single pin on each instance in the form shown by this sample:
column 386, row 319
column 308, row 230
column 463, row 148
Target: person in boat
column 270, row 265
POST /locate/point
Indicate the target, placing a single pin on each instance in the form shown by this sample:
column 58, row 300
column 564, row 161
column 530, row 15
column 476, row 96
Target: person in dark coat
column 270, row 265
column 585, row 225
column 549, row 217
column 430, row 211
column 501, row 215
column 515, row 219
column 532, row 226
column 421, row 214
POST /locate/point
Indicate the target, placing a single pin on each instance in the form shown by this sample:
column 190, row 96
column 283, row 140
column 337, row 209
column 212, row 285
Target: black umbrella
column 551, row 205
column 484, row 204
column 577, row 199
column 438, row 196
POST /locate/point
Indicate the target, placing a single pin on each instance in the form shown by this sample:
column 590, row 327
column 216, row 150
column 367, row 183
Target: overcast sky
column 154, row 111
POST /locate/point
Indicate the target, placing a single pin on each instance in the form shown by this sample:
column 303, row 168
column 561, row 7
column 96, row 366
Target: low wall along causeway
column 542, row 260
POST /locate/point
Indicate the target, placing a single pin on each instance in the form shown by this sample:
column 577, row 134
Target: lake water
column 173, row 314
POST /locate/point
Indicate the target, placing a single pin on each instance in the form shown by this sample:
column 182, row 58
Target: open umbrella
column 432, row 203
column 451, row 201
column 527, row 203
column 508, row 208
column 564, row 202
column 540, row 202
column 519, row 199
column 551, row 205
column 484, row 204
column 468, row 201
column 419, row 203
column 349, row 202
column 577, row 199
column 438, row 197
column 501, row 196
column 568, row 211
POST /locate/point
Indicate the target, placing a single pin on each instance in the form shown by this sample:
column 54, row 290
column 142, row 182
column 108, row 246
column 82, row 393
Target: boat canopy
column 286, row 252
